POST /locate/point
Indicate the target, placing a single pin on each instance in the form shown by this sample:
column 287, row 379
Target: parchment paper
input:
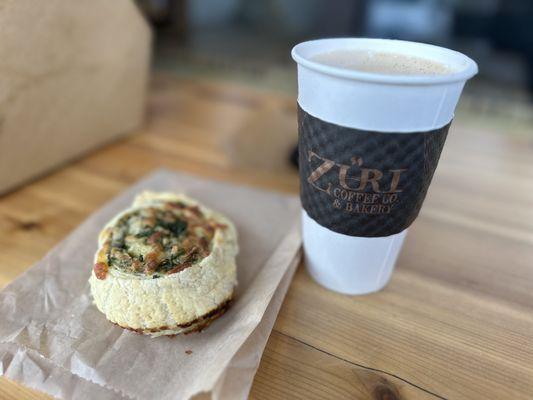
column 53, row 338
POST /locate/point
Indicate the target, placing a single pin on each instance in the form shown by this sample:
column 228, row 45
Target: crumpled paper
column 52, row 338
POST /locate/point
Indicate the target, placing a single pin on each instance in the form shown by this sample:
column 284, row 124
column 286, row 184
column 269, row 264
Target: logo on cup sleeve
column 364, row 183
column 355, row 188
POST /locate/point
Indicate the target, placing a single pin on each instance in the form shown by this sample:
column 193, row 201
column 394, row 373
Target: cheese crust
column 174, row 281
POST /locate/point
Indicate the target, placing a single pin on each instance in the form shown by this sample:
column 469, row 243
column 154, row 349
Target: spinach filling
column 157, row 241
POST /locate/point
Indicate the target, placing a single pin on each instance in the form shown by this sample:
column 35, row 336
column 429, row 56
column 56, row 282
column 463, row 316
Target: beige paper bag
column 73, row 75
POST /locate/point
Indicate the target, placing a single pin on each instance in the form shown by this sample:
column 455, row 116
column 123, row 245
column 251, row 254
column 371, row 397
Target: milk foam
column 382, row 62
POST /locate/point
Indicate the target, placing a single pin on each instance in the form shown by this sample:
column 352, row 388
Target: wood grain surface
column 456, row 320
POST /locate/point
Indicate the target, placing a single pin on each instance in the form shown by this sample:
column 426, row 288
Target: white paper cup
column 370, row 102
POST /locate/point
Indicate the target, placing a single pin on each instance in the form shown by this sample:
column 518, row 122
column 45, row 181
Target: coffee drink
column 373, row 116
column 382, row 62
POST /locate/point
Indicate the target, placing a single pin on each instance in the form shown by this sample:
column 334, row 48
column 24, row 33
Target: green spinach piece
column 177, row 227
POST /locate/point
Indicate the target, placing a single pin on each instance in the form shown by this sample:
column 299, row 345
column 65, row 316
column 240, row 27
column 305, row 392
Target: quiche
column 165, row 266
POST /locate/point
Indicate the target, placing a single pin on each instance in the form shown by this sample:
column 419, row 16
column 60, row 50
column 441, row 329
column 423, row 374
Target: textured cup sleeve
column 364, row 183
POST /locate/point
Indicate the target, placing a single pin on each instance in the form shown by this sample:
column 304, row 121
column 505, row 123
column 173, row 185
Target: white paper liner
column 52, row 338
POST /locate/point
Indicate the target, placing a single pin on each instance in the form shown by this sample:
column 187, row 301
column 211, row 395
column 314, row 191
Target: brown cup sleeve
column 364, row 183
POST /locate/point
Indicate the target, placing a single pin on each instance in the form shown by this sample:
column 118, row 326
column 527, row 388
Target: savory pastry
column 165, row 266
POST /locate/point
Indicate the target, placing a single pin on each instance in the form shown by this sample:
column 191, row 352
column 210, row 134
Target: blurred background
column 250, row 42
column 224, row 67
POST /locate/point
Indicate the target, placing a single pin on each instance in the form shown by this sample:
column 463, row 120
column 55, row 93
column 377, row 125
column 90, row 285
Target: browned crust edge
column 196, row 325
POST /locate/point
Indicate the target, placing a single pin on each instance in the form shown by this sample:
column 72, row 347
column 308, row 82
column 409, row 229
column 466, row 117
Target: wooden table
column 455, row 322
